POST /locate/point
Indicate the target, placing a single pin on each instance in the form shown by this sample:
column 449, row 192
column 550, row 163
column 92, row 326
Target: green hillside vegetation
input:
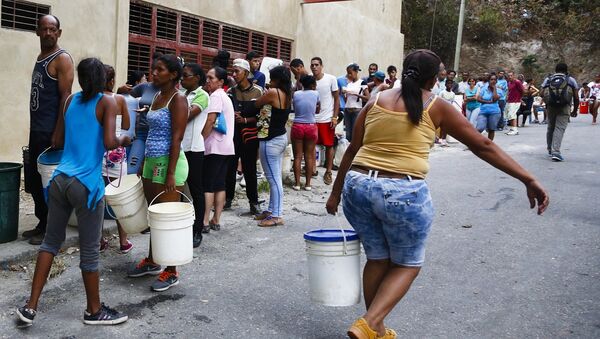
column 433, row 24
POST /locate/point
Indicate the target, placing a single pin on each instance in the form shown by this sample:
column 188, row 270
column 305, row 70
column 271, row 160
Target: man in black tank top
column 51, row 83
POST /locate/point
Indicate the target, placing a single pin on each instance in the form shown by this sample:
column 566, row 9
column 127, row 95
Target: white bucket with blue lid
column 333, row 257
column 47, row 162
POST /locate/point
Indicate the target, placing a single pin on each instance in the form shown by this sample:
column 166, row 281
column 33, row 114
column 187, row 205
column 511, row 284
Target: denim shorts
column 392, row 216
column 488, row 122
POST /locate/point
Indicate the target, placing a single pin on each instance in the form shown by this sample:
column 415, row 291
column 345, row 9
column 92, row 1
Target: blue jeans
column 391, row 216
column 136, row 154
column 472, row 116
column 271, row 156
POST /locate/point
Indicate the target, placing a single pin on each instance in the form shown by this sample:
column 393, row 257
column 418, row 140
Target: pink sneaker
column 103, row 244
column 127, row 247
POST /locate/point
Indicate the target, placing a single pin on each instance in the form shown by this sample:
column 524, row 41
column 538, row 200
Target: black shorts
column 215, row 171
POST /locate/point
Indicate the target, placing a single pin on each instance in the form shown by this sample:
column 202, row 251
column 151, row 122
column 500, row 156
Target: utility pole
column 461, row 19
column 432, row 24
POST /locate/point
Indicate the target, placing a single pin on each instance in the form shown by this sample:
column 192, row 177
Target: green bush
column 488, row 26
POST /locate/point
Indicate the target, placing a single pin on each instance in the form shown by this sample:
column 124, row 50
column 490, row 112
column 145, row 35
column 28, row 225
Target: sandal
column 262, row 216
column 361, row 330
column 271, row 221
column 206, row 229
column 214, row 227
column 389, row 334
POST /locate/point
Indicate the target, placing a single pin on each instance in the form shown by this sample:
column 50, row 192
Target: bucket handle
column 46, row 150
column 178, row 191
column 344, row 240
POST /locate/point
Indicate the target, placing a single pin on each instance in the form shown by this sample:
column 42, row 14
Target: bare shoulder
column 63, row 62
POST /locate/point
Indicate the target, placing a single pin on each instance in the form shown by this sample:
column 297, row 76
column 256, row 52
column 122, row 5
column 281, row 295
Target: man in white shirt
column 327, row 118
column 594, row 97
column 463, row 85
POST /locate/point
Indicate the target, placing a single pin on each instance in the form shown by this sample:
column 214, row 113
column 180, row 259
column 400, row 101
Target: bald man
column 51, row 83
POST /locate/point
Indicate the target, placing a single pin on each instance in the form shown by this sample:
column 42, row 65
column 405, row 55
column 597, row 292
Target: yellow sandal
column 361, row 330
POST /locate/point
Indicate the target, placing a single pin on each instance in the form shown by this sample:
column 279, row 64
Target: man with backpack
column 558, row 90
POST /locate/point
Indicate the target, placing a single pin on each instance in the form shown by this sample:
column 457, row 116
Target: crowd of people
column 206, row 129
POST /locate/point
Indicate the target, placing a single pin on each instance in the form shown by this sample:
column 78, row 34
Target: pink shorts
column 305, row 132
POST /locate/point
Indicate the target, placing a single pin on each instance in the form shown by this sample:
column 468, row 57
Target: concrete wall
column 87, row 31
column 362, row 31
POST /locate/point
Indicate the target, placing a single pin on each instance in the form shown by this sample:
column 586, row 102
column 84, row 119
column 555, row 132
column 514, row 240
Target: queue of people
column 186, row 126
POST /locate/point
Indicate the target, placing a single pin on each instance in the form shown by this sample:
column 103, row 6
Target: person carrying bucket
column 165, row 167
column 115, row 161
column 51, row 84
column 386, row 199
column 89, row 122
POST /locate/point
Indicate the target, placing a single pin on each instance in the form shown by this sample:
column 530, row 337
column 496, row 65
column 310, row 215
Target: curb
column 20, row 250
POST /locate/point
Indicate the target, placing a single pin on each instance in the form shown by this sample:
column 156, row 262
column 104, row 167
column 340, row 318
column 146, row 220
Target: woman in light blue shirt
column 489, row 111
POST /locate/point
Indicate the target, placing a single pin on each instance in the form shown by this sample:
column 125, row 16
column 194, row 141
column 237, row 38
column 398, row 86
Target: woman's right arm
column 355, row 145
column 267, row 98
column 446, row 117
column 495, row 95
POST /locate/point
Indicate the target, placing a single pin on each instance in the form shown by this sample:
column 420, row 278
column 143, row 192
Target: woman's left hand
column 170, row 183
column 332, row 203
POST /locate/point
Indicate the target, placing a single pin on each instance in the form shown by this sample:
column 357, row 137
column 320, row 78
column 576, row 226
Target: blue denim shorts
column 488, row 122
column 392, row 216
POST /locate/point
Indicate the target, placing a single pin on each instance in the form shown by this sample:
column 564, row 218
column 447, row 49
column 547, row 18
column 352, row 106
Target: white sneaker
column 444, row 143
column 512, row 132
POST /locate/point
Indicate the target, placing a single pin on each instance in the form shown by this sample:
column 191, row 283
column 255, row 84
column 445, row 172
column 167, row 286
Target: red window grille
column 164, row 50
column 235, row 39
column 285, row 50
column 190, row 27
column 272, row 47
column 166, row 25
column 206, row 62
column 154, row 28
column 22, row 15
column 189, row 56
column 258, row 43
column 140, row 19
column 210, row 34
column 138, row 58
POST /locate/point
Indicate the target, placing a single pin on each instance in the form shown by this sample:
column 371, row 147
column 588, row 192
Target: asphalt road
column 494, row 269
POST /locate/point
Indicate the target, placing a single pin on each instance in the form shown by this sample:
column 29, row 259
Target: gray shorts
column 65, row 194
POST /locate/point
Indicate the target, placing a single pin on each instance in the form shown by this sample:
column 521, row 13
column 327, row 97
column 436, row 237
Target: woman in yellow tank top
column 386, row 199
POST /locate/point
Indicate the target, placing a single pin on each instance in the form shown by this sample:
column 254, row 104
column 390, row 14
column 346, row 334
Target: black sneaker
column 104, row 316
column 26, row 315
column 255, row 208
column 197, row 238
column 33, row 232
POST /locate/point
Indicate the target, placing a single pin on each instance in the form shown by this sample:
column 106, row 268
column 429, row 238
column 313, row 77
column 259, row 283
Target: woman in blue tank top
column 165, row 167
column 89, row 122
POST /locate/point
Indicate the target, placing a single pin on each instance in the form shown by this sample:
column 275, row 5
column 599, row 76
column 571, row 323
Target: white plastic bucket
column 333, row 266
column 171, row 236
column 128, row 203
column 47, row 162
